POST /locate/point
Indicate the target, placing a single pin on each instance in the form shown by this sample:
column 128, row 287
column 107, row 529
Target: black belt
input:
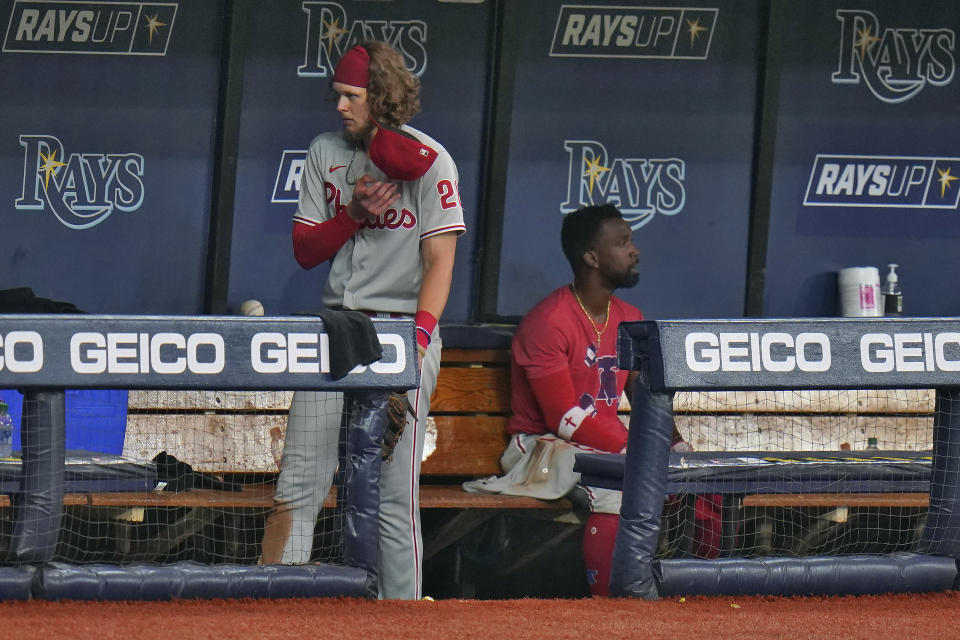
column 374, row 314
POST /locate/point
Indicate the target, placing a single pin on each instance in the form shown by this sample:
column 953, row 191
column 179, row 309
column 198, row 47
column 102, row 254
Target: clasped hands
column 371, row 198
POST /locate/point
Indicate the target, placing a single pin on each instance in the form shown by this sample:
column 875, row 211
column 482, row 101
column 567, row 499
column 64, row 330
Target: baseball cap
column 398, row 154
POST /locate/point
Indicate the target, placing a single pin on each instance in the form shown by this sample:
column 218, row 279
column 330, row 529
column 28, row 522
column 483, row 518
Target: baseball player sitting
column 566, row 385
column 379, row 199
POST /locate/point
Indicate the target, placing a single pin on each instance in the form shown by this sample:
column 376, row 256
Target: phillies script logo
column 330, row 34
column 895, row 64
column 81, row 189
column 640, row 187
column 389, row 219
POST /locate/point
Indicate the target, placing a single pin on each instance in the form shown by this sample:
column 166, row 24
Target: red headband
column 354, row 68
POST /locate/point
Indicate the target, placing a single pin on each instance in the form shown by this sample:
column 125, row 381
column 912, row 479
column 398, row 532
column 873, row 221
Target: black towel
column 353, row 340
column 180, row 476
column 23, row 300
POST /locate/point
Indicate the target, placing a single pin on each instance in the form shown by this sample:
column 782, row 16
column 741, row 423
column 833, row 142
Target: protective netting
column 166, row 476
column 797, row 473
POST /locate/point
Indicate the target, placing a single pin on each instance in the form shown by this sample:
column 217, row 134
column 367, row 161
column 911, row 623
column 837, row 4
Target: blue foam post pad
column 810, row 575
column 16, row 583
column 195, row 581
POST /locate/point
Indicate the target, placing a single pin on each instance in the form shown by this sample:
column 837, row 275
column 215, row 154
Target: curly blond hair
column 393, row 93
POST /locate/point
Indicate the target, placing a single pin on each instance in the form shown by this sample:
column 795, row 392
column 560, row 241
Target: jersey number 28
column 449, row 194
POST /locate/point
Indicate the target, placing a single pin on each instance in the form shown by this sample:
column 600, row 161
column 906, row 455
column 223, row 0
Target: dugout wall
column 714, row 355
column 42, row 355
column 724, row 114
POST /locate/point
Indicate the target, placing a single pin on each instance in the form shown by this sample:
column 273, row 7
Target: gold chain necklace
column 593, row 324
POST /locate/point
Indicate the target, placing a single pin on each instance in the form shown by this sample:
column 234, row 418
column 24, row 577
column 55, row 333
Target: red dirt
column 870, row 617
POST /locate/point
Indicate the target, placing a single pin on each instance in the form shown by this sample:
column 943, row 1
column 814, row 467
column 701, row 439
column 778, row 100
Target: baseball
column 251, row 308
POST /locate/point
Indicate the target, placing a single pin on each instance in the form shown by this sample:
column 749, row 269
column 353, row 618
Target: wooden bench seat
column 260, row 496
column 230, row 434
column 801, row 500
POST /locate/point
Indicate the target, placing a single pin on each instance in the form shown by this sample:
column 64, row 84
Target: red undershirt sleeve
column 317, row 243
column 556, row 397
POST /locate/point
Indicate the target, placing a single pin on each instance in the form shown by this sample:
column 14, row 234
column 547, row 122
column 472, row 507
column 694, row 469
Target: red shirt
column 556, row 336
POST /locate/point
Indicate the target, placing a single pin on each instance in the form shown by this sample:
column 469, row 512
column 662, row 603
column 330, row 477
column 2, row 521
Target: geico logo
column 775, row 352
column 55, row 25
column 883, row 352
column 137, row 353
column 310, row 353
column 15, row 348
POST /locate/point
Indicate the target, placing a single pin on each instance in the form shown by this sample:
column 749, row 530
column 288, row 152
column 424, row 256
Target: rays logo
column 895, row 64
column 640, row 187
column 904, row 182
column 633, row 32
column 81, row 189
column 286, row 188
column 118, row 28
column 328, row 38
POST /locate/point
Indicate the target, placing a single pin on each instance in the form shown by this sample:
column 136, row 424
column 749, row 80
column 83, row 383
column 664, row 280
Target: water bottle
column 6, row 431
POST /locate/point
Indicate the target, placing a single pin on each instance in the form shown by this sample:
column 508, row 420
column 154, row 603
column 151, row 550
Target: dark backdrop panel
column 283, row 111
column 669, row 136
column 832, row 104
column 122, row 227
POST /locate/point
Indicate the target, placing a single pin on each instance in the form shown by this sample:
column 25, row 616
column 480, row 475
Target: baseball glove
column 397, row 408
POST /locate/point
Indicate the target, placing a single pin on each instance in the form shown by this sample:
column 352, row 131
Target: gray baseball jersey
column 379, row 268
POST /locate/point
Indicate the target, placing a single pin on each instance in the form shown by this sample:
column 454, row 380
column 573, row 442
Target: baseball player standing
column 381, row 200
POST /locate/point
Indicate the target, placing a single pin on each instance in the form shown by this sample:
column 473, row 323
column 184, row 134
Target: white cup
column 859, row 289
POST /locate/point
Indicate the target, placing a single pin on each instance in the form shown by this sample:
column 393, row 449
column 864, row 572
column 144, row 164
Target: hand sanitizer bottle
column 892, row 298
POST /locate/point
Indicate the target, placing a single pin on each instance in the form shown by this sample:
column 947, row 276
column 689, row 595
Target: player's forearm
column 317, row 242
column 438, row 257
column 434, row 291
column 564, row 416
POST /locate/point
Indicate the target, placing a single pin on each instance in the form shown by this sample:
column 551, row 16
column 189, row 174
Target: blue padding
column 367, row 411
column 38, row 508
column 604, row 470
column 16, row 583
column 644, row 482
column 192, row 580
column 941, row 535
column 812, row 575
column 774, row 472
